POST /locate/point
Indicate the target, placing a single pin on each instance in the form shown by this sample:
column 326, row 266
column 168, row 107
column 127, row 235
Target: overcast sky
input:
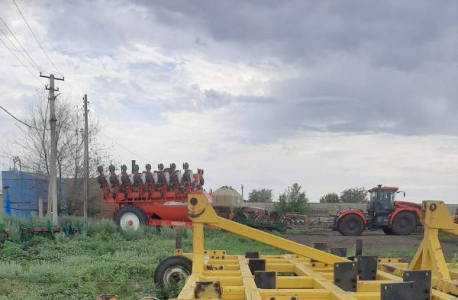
column 328, row 94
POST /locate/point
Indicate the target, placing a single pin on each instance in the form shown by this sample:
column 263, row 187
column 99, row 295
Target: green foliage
column 292, row 200
column 330, row 198
column 354, row 195
column 261, row 195
column 101, row 260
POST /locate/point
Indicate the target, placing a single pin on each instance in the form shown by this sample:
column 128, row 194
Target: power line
column 33, row 127
column 39, row 44
column 19, row 120
column 20, row 45
column 14, row 46
column 20, row 60
column 122, row 146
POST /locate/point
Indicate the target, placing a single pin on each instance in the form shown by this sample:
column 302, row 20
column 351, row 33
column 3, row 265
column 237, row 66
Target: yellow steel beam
column 251, row 290
column 319, row 282
column 201, row 212
column 198, row 247
column 429, row 255
column 187, row 292
column 296, row 294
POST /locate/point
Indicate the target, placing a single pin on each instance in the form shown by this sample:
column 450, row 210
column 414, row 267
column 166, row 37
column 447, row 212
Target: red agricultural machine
column 383, row 212
column 154, row 198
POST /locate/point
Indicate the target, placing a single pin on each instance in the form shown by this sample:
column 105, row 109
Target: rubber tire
column 168, row 263
column 344, row 225
column 132, row 209
column 388, row 231
column 404, row 216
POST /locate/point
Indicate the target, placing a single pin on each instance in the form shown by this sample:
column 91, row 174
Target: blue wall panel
column 25, row 189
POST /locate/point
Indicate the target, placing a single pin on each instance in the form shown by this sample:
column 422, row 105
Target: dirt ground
column 374, row 242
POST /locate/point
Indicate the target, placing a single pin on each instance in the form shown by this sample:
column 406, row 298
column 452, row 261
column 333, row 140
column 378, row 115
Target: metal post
column 86, row 158
column 40, row 208
column 52, row 191
column 359, row 248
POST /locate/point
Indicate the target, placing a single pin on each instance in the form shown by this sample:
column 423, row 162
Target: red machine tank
column 156, row 198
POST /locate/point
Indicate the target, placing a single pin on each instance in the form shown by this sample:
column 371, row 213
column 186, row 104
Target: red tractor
column 393, row 217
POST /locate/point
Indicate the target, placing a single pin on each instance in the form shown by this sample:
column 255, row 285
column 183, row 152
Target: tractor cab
column 381, row 205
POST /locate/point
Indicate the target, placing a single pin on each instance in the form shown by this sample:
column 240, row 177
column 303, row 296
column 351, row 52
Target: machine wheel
column 388, row 231
column 404, row 223
column 172, row 270
column 351, row 225
column 131, row 217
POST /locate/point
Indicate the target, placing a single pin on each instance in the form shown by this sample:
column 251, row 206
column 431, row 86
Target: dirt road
column 374, row 242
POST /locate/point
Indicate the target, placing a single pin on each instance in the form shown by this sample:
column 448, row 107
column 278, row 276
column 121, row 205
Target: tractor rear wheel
column 404, row 223
column 172, row 270
column 351, row 225
column 131, row 217
column 388, row 231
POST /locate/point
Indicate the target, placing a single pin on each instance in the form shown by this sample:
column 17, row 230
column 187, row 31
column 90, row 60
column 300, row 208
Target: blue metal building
column 24, row 191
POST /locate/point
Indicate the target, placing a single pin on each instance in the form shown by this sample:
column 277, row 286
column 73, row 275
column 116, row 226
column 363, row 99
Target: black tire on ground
column 130, row 209
column 404, row 223
column 351, row 225
column 172, row 270
column 388, row 231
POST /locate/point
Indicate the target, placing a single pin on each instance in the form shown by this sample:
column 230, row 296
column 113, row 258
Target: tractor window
column 373, row 196
column 393, row 195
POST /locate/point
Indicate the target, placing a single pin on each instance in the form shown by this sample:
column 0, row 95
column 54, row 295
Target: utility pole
column 52, row 190
column 242, row 192
column 86, row 157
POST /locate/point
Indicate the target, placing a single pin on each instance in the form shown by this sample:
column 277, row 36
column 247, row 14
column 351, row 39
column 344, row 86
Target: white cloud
column 261, row 95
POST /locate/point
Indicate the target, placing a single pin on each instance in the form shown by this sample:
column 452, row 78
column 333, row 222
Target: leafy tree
column 32, row 145
column 261, row 195
column 330, row 198
column 354, row 195
column 292, row 200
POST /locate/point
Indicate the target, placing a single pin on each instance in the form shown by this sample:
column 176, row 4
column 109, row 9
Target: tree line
column 351, row 195
column 293, row 199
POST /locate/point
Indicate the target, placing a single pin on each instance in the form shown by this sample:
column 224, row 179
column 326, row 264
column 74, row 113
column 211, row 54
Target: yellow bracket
column 429, row 255
column 201, row 212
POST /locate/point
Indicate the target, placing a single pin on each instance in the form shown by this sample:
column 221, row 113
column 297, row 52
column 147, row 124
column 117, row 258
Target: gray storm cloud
column 386, row 67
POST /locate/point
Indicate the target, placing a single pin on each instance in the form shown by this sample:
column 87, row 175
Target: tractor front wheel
column 131, row 217
column 351, row 225
column 172, row 270
column 404, row 223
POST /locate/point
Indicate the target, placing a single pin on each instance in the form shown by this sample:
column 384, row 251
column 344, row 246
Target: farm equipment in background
column 383, row 212
column 295, row 220
column 159, row 198
column 4, row 236
column 154, row 198
column 260, row 218
column 49, row 231
column 307, row 273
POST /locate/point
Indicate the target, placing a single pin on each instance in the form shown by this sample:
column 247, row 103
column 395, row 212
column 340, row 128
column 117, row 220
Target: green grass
column 100, row 260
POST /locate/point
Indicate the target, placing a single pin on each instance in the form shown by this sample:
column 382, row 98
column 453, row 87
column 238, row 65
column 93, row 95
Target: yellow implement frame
column 308, row 273
column 216, row 275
